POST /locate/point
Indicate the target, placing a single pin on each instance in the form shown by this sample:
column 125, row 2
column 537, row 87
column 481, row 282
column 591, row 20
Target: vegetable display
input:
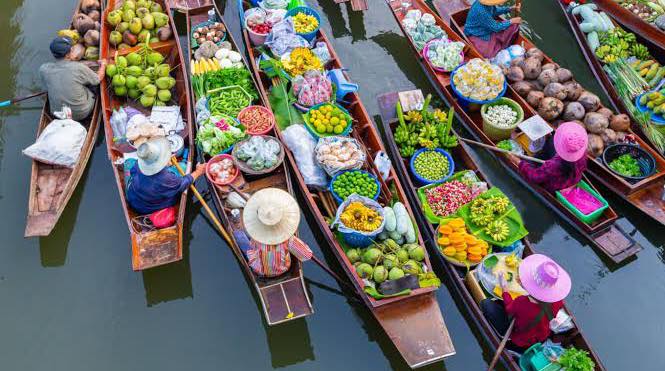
column 215, row 135
column 301, row 60
column 431, row 165
column 574, row 359
column 639, row 75
column 618, row 44
column 456, row 243
column 359, row 217
column 214, row 32
column 626, row 165
column 424, row 129
column 136, row 22
column 501, row 115
column 305, row 23
column 328, row 119
column 256, row 119
column 223, row 171
column 358, row 182
column 446, row 198
column 240, row 76
column 480, row 80
column 258, row 153
column 228, row 101
column 648, row 10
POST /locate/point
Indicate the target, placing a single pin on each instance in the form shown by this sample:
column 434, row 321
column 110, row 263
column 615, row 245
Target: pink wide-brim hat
column 544, row 279
column 570, row 141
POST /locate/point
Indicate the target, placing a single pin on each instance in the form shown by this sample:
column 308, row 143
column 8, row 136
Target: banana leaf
column 285, row 113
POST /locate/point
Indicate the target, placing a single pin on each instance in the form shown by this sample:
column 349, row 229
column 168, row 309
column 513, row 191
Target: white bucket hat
column 271, row 216
column 153, row 155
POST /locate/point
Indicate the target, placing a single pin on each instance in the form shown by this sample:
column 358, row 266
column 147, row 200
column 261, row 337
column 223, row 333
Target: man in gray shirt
column 68, row 81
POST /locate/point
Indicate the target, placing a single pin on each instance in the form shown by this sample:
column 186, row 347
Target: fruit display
column 486, row 210
column 305, row 23
column 626, row 165
column 501, row 115
column 214, row 32
column 618, row 44
column 498, row 230
column 355, row 181
column 360, row 217
column 228, row 101
column 424, row 129
column 300, row 60
column 216, row 135
column 445, row 199
column 328, row 119
column 431, row 165
column 85, row 32
column 312, row 88
column 650, row 70
column 259, row 23
column 335, row 154
column 399, row 226
column 142, row 76
column 457, row 244
column 479, row 80
column 387, row 260
column 137, row 22
column 256, row 119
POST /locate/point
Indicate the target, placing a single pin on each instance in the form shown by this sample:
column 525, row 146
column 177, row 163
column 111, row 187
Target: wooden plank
column 359, row 5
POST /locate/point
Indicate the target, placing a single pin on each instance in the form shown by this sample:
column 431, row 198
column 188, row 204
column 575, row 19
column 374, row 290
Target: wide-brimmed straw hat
column 544, row 279
column 271, row 216
column 153, row 155
column 492, row 2
column 570, row 141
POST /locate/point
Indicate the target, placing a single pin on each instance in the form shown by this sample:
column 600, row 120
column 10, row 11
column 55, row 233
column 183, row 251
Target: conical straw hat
column 271, row 216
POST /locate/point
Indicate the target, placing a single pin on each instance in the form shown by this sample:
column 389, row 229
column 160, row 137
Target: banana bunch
column 499, row 204
column 640, row 51
column 203, row 66
column 498, row 230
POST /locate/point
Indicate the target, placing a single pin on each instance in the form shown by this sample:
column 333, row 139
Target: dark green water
column 72, row 302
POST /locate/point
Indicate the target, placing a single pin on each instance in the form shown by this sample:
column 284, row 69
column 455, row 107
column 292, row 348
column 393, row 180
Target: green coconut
column 164, row 95
column 395, row 273
column 134, row 59
column 143, row 81
column 134, row 71
column 417, row 253
column 133, row 93
column 120, row 91
column 150, row 71
column 163, row 83
column 150, row 90
column 372, row 255
column 147, row 101
column 121, row 62
column 351, row 254
column 132, row 82
column 402, row 255
column 154, row 58
column 364, row 270
column 111, row 70
column 390, row 261
column 380, row 274
column 411, row 267
column 118, row 80
column 163, row 70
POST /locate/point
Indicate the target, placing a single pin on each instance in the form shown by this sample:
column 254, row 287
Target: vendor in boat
column 547, row 284
column 68, row 82
column 151, row 184
column 488, row 33
column 566, row 168
column 271, row 218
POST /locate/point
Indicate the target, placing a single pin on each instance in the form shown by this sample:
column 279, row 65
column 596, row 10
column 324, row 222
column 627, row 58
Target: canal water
column 71, row 301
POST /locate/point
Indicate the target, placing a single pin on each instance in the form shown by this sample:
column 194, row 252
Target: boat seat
column 343, row 85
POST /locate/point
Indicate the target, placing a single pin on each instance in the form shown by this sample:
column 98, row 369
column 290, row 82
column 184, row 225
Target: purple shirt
column 147, row 194
column 552, row 175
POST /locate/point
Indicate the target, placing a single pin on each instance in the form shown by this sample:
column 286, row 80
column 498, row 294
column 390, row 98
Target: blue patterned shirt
column 481, row 21
column 147, row 194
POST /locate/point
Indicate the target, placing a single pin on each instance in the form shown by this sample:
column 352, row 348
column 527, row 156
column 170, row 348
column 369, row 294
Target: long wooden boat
column 460, row 276
column 413, row 322
column 636, row 24
column 283, row 298
column 150, row 247
column 604, row 234
column 52, row 186
column 645, row 194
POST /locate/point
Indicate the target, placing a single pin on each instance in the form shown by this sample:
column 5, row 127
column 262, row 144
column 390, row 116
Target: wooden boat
column 461, row 277
column 150, row 247
column 645, row 194
column 283, row 298
column 636, row 24
column 604, row 233
column 414, row 322
column 52, row 186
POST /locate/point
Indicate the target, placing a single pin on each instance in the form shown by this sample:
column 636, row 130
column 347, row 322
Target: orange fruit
column 474, row 258
column 449, row 251
column 443, row 241
column 461, row 256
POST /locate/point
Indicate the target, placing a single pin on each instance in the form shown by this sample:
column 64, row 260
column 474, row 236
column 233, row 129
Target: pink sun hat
column 570, row 141
column 544, row 279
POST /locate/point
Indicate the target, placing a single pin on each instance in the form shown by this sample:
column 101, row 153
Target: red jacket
column 525, row 313
column 551, row 174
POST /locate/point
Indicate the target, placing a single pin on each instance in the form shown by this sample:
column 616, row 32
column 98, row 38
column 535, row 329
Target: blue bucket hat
column 60, row 46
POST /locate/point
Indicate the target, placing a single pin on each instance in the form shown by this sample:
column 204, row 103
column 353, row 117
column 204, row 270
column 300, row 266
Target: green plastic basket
column 494, row 132
column 590, row 218
column 534, row 360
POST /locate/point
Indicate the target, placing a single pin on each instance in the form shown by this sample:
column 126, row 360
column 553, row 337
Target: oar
column 215, row 221
column 9, row 102
column 497, row 149
column 314, row 258
column 499, row 350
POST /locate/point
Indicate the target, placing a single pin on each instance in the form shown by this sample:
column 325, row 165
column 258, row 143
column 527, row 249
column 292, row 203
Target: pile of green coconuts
column 387, row 260
column 137, row 22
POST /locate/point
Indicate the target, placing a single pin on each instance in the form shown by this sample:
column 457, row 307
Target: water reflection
column 289, row 343
column 168, row 282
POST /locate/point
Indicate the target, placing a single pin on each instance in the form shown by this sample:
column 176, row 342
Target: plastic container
column 423, row 181
column 656, row 119
column 586, row 218
column 310, row 36
column 339, row 199
column 497, row 133
column 645, row 160
column 316, row 135
column 425, row 54
column 219, row 158
column 260, row 108
column 195, row 43
column 257, row 39
column 464, row 101
column 533, row 359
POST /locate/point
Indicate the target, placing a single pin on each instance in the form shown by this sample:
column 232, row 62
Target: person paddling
column 547, row 284
column 488, row 33
column 566, row 168
column 68, row 81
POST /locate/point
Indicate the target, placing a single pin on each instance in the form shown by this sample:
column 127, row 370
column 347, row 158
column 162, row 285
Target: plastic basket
column 356, row 238
column 339, row 199
column 316, row 135
column 309, row 11
column 464, row 101
column 423, row 181
column 533, row 359
column 219, row 158
column 658, row 120
column 645, row 160
column 498, row 133
column 425, row 54
column 586, row 218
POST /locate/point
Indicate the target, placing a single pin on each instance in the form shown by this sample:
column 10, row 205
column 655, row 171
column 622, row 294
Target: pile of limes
column 328, row 119
column 358, row 182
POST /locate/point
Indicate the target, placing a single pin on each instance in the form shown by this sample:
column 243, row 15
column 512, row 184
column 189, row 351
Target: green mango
column 129, row 4
column 156, row 8
column 144, row 36
column 115, row 38
column 122, row 27
column 114, row 18
column 141, row 12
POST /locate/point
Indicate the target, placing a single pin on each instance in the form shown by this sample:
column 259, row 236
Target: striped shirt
column 481, row 21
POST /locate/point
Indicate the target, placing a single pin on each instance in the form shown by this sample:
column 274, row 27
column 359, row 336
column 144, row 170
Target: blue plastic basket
column 355, row 238
column 316, row 135
column 309, row 11
column 339, row 199
column 423, row 181
column 464, row 101
column 658, row 120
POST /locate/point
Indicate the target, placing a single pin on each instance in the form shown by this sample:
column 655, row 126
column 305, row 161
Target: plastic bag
column 119, row 122
column 383, row 164
column 312, row 88
column 561, row 323
column 301, row 143
column 335, row 154
column 321, row 51
column 502, row 59
column 274, row 4
column 60, row 142
column 365, row 201
column 259, row 153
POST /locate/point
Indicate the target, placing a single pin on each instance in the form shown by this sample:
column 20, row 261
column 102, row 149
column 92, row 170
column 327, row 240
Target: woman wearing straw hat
column 152, row 186
column 271, row 218
column 487, row 33
column 566, row 168
column 547, row 285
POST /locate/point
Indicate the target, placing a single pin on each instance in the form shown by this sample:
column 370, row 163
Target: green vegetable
column 576, row 360
column 214, row 140
column 358, row 182
column 231, row 76
column 431, row 165
column 391, row 220
column 403, row 219
column 626, row 165
column 228, row 102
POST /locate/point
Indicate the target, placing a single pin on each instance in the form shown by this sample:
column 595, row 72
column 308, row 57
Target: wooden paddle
column 9, row 102
column 499, row 350
column 497, row 149
column 212, row 216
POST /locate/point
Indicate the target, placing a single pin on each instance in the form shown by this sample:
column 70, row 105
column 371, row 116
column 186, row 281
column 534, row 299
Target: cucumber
column 391, row 220
column 592, row 39
column 402, row 216
column 410, row 236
